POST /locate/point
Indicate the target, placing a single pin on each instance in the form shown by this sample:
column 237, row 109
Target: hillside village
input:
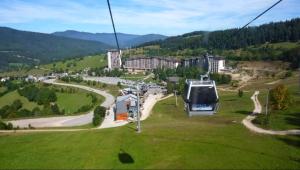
column 220, row 99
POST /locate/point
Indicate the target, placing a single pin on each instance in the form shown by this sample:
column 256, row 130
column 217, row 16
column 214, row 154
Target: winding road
column 66, row 121
column 257, row 110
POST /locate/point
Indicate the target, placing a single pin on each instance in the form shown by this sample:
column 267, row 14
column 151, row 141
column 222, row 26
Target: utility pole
column 175, row 91
column 138, row 110
column 267, row 103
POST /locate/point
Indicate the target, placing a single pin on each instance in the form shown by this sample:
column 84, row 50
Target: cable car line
column 239, row 30
column 113, row 24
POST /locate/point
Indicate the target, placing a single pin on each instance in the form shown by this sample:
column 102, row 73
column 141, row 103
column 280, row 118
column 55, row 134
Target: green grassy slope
column 169, row 140
column 78, row 64
column 70, row 64
column 72, row 102
column 9, row 98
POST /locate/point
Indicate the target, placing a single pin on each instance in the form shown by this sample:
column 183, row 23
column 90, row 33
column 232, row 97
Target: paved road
column 109, row 80
column 108, row 121
column 257, row 110
column 66, row 121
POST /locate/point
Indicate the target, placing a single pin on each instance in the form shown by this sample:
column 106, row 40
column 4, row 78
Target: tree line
column 219, row 42
column 234, row 38
column 41, row 96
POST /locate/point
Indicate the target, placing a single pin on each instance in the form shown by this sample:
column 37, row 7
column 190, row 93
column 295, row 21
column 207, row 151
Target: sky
column 168, row 17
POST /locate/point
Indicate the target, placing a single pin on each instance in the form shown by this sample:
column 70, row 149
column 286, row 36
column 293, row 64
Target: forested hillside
column 235, row 38
column 273, row 41
column 21, row 47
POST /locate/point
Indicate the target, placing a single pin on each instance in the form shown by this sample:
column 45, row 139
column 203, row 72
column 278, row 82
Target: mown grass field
column 71, row 102
column 169, row 140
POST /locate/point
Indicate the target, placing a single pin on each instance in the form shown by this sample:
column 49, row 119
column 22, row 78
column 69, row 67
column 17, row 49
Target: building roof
column 192, row 58
column 169, row 58
column 216, row 57
column 122, row 98
column 112, row 50
column 121, row 108
column 122, row 103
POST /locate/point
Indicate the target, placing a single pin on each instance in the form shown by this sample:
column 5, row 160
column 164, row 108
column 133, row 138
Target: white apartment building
column 114, row 59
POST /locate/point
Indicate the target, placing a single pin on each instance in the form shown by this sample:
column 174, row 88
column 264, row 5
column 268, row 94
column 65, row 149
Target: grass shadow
column 131, row 127
column 293, row 141
column 243, row 112
column 230, row 100
column 125, row 158
column 293, row 120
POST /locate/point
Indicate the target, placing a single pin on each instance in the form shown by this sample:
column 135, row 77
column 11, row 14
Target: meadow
column 169, row 140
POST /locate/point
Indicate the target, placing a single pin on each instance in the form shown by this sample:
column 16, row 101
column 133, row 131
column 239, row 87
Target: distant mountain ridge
column 125, row 40
column 32, row 48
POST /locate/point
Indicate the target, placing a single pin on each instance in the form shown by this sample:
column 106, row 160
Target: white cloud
column 164, row 16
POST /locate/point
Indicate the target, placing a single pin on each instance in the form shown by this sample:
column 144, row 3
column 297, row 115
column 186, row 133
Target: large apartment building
column 150, row 63
column 213, row 64
column 195, row 61
column 216, row 64
column 114, row 59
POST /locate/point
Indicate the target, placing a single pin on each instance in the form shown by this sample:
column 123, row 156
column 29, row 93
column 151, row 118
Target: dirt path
column 273, row 82
column 257, row 110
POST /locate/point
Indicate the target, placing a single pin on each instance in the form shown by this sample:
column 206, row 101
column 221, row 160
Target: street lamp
column 138, row 110
column 267, row 103
column 175, row 91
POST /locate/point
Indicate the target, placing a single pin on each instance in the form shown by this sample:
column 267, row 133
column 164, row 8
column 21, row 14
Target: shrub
column 99, row 114
column 9, row 126
column 46, row 110
column 84, row 108
column 288, row 74
column 4, row 126
column 17, row 104
column 30, row 127
column 280, row 97
column 119, row 85
column 5, row 111
column 262, row 119
column 100, row 110
column 36, row 111
column 240, row 93
column 24, row 113
column 55, row 109
column 96, row 120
